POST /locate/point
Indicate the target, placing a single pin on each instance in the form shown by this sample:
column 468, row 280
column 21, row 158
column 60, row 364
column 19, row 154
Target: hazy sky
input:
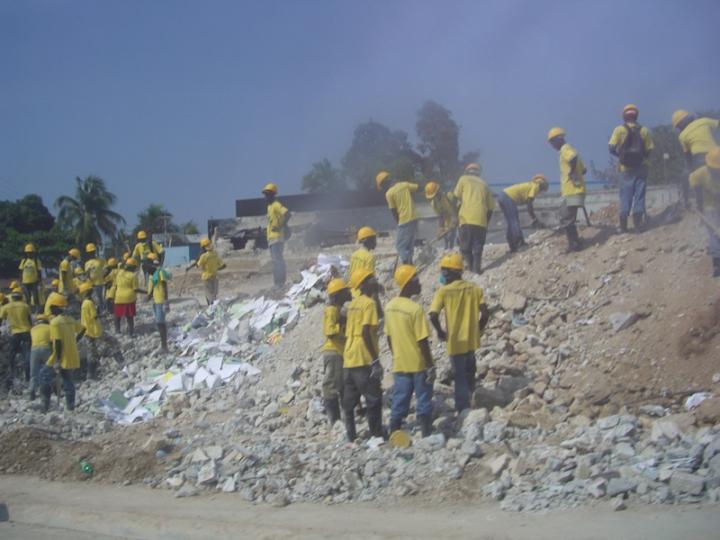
column 193, row 104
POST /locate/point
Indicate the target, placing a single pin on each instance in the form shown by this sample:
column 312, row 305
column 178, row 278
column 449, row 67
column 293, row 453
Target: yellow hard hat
column 78, row 271
column 29, row 248
column 270, row 188
column 453, row 261
column 126, row 256
column 431, row 189
column 90, row 248
column 336, row 285
column 359, row 276
column 205, row 242
column 42, row 317
column 630, row 107
column 541, row 180
column 365, row 232
column 131, row 262
column 400, row 439
column 152, row 256
column 85, row 287
column 14, row 285
column 75, row 252
column 17, row 290
column 55, row 283
column 381, row 177
column 555, row 132
column 712, row 158
column 58, row 300
column 404, row 273
column 472, row 167
column 112, row 262
column 678, row 116
column 142, row 235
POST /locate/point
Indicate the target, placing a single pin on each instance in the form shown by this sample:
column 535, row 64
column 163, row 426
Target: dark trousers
column 19, row 344
column 509, row 209
column 68, row 386
column 464, row 369
column 567, row 221
column 472, row 242
column 32, row 294
column 357, row 383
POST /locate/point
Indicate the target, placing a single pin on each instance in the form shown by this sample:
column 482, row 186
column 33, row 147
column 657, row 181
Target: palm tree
column 88, row 215
column 155, row 219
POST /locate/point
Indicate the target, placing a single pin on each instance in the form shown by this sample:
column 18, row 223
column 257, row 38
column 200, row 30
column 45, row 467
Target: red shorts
column 124, row 310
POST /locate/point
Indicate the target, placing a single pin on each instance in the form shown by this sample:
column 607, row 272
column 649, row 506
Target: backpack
column 632, row 151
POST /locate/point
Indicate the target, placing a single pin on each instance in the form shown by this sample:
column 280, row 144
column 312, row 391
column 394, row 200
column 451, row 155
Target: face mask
column 443, row 280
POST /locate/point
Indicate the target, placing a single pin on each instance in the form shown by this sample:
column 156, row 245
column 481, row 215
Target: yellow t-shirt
column 697, row 137
column 461, row 301
column 333, row 331
column 399, row 198
column 94, row 269
column 475, row 200
column 523, row 192
column 126, row 282
column 159, row 291
column 50, row 298
column 445, row 206
column 703, row 178
column 89, row 319
column 65, row 271
column 142, row 250
column 276, row 220
column 110, row 284
column 65, row 328
column 361, row 258
column 209, row 262
column 406, row 325
column 30, row 271
column 566, row 155
column 619, row 135
column 40, row 336
column 17, row 314
column 361, row 312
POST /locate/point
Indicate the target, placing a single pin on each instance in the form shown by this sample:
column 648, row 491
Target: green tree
column 26, row 215
column 323, row 177
column 438, row 134
column 189, row 227
column 155, row 219
column 88, row 216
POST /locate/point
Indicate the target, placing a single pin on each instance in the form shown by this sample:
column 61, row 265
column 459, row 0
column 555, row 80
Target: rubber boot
column 425, row 425
column 623, row 224
column 573, row 238
column 92, row 369
column 716, row 267
column 70, row 401
column 374, row 417
column 395, row 424
column 350, row 425
column 45, row 391
column 131, row 326
column 477, row 263
column 117, row 325
column 162, row 329
column 332, row 409
column 638, row 222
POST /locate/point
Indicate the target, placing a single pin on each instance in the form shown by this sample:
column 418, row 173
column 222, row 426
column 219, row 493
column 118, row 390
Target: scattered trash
column 696, row 399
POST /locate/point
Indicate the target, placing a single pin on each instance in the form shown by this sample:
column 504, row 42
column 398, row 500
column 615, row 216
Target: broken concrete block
column 207, row 474
column 511, row 301
column 199, row 456
column 621, row 321
column 229, row 486
column 664, row 430
column 497, row 464
column 692, row 484
column 213, row 452
column 489, row 398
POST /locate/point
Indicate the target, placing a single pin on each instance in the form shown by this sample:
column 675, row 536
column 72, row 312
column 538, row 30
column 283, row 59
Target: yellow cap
column 29, row 248
column 270, row 188
column 75, row 252
column 404, row 273
column 55, row 283
column 453, row 261
column 85, row 287
column 90, row 248
column 400, row 439
column 205, row 242
column 152, row 256
column 42, row 317
column 17, row 290
column 431, row 189
column 78, row 271
column 142, row 235
column 381, row 177
column 112, row 262
column 359, row 276
column 678, row 116
column 14, row 285
column 131, row 262
column 472, row 167
column 58, row 300
column 555, row 132
column 336, row 285
column 365, row 232
column 126, row 256
column 712, row 158
column 541, row 180
column 630, row 107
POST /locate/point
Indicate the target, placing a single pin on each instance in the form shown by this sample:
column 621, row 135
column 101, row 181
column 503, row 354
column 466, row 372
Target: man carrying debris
column 17, row 314
column 40, row 351
column 143, row 248
column 631, row 144
column 31, row 275
column 446, row 208
column 706, row 183
column 465, row 318
column 95, row 270
column 333, row 348
column 510, row 198
column 93, row 328
column 362, row 371
column 278, row 231
column 158, row 293
column 697, row 138
column 210, row 264
column 126, row 291
column 407, row 333
column 476, row 208
column 572, row 185
column 399, row 199
column 66, row 272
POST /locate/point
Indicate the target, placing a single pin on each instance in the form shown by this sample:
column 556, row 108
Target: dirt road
column 63, row 511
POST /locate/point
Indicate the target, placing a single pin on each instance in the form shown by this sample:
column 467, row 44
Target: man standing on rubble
column 697, row 138
column 143, row 248
column 210, row 264
column 510, row 198
column 333, row 348
column 572, row 185
column 93, row 328
column 400, row 201
column 363, row 258
column 476, row 208
column 95, row 270
column 705, row 181
column 446, row 208
column 17, row 314
column 158, row 293
column 631, row 144
column 278, row 231
column 66, row 272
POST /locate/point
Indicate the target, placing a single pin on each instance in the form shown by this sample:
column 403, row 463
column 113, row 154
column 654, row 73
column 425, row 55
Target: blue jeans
column 38, row 358
column 278, row 263
column 450, row 239
column 405, row 384
column 405, row 241
column 509, row 209
column 713, row 216
column 632, row 191
column 464, row 369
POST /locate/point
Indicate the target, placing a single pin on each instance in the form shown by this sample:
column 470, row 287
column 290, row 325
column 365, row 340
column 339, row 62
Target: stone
column 664, row 430
column 473, row 422
column 229, row 486
column 618, row 503
column 608, row 422
column 470, row 448
column 497, row 464
column 692, row 484
column 199, row 456
column 621, row 321
column 624, row 449
column 489, row 398
column 175, row 482
column 207, row 474
column 494, row 431
column 714, row 463
column 511, row 301
column 186, row 491
column 653, row 410
column 597, row 488
column 213, row 452
column 617, row 486
column 432, row 443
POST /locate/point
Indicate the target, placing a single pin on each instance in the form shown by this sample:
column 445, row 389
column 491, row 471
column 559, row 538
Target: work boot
column 638, row 222
column 374, row 417
column 92, row 369
column 425, row 425
column 350, row 425
column 477, row 264
column 117, row 325
column 573, row 238
column 131, row 326
column 162, row 329
column 716, row 266
column 395, row 424
column 332, row 409
column 623, row 224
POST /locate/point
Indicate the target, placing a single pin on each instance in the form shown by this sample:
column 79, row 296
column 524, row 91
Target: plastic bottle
column 86, row 467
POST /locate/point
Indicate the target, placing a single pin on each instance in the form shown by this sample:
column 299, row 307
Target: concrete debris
column 621, row 321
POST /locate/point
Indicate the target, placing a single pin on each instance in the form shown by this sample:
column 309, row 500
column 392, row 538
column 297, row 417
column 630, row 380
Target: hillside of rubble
column 598, row 380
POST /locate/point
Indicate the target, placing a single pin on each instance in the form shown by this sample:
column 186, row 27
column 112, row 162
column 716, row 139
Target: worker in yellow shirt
column 278, row 232
column 93, row 328
column 31, row 270
column 446, row 208
column 66, row 272
column 331, row 355
column 697, row 136
column 40, row 350
column 79, row 279
column 631, row 144
column 399, row 197
column 158, row 293
column 572, row 185
column 465, row 318
column 210, row 264
column 110, row 273
column 54, row 287
column 3, row 299
column 363, row 257
column 146, row 245
column 476, row 208
column 705, row 181
column 362, row 371
column 126, row 289
column 413, row 368
column 17, row 314
column 510, row 198
column 95, row 272
column 65, row 331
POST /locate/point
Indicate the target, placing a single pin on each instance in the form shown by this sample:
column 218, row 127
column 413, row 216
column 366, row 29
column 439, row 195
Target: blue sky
column 193, row 104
